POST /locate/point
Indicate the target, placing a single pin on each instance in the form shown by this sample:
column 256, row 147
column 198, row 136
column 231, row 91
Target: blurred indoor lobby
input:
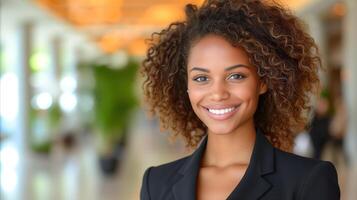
column 72, row 124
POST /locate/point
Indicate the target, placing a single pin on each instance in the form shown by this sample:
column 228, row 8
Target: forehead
column 212, row 50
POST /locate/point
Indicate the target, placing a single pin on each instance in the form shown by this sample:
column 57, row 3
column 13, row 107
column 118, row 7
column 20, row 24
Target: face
column 223, row 86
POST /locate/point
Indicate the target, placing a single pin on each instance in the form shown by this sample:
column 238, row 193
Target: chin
column 220, row 130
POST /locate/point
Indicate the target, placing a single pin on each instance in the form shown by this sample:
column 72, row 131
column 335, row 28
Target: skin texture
column 218, row 183
column 221, row 76
column 285, row 57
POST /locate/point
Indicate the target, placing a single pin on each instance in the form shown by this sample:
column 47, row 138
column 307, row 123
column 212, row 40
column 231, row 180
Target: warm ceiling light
column 293, row 4
column 338, row 9
column 162, row 14
column 110, row 43
column 137, row 47
column 85, row 12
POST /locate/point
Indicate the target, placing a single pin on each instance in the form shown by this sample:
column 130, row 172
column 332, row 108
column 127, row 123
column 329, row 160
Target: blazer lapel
column 185, row 188
column 253, row 184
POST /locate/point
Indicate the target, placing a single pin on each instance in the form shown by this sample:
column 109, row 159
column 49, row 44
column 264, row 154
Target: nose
column 219, row 91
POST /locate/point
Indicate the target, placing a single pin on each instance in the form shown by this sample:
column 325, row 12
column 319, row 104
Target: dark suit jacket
column 271, row 174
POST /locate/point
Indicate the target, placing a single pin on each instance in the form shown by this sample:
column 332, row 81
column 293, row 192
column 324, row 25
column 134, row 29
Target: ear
column 263, row 88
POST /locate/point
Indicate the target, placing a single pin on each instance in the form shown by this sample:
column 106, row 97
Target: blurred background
column 71, row 122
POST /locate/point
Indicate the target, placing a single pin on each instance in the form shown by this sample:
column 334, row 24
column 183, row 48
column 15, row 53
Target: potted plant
column 114, row 101
column 44, row 125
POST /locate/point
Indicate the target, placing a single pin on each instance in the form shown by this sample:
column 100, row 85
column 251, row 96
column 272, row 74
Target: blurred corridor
column 71, row 121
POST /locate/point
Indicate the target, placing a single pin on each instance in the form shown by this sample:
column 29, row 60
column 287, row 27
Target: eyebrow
column 226, row 69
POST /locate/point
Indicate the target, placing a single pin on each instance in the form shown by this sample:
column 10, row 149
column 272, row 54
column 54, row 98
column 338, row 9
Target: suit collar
column 261, row 163
column 185, row 188
column 253, row 184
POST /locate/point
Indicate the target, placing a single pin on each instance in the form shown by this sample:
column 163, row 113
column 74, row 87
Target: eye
column 200, row 79
column 236, row 76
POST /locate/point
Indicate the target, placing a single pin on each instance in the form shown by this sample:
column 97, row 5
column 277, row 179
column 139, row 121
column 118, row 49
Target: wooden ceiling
column 123, row 24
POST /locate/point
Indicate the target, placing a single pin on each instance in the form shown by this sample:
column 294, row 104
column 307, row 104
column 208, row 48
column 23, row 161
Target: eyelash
column 240, row 75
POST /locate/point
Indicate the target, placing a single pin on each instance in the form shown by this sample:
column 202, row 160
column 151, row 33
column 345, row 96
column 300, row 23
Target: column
column 25, row 49
column 350, row 81
column 316, row 30
column 24, row 73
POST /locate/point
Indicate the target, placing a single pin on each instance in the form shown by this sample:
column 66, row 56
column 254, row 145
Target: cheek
column 246, row 94
column 246, row 91
column 194, row 97
column 195, row 93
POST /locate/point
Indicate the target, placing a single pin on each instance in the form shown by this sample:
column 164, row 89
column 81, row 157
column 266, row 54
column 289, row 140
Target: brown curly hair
column 286, row 58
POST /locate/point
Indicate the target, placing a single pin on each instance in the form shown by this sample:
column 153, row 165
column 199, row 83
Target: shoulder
column 308, row 176
column 293, row 161
column 298, row 164
column 156, row 178
column 167, row 170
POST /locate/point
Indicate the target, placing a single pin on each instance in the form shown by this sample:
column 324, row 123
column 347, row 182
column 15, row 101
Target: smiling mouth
column 221, row 111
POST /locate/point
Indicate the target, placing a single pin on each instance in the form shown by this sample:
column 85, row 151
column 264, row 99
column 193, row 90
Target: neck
column 230, row 149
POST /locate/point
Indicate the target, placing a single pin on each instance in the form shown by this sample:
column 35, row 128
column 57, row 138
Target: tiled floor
column 74, row 175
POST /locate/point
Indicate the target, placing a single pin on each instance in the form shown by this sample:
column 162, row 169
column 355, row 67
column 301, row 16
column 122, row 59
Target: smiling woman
column 237, row 76
column 225, row 87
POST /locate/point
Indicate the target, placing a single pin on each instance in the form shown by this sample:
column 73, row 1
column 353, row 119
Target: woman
column 236, row 75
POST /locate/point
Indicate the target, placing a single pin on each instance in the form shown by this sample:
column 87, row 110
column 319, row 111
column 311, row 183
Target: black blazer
column 271, row 174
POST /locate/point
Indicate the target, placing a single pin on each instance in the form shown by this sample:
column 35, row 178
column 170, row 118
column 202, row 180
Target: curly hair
column 286, row 58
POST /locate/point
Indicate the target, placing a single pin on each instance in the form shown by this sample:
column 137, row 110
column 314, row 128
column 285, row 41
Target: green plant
column 114, row 101
column 54, row 115
column 44, row 124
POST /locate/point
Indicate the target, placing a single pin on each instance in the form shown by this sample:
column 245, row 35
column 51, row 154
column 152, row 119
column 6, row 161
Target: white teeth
column 221, row 111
